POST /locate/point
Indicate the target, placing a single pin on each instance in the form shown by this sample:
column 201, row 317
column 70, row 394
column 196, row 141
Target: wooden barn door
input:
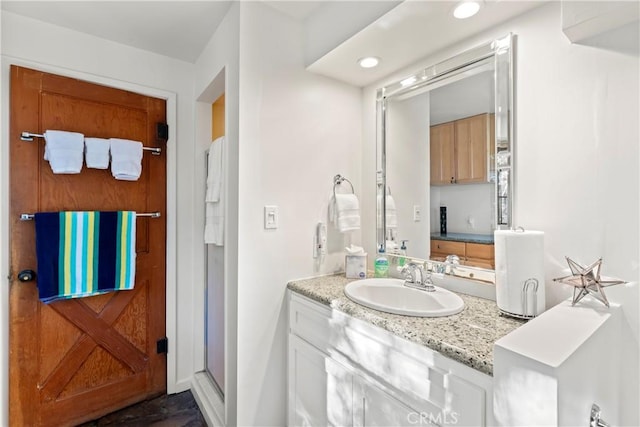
column 74, row 360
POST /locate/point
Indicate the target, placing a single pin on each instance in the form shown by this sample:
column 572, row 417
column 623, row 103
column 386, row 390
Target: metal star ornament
column 587, row 281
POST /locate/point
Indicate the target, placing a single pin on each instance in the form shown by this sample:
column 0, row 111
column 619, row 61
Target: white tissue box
column 355, row 266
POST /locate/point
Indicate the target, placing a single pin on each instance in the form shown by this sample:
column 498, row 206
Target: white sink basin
column 391, row 296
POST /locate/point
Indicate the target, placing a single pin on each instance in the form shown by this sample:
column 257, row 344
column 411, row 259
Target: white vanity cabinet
column 346, row 372
column 376, row 407
column 320, row 389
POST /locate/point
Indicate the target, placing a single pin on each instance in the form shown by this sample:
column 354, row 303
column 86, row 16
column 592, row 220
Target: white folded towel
column 126, row 159
column 214, row 199
column 345, row 212
column 214, row 224
column 214, row 170
column 392, row 213
column 64, row 151
column 96, row 152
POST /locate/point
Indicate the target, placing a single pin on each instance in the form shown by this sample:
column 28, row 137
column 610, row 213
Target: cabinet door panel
column 471, row 144
column 467, row 402
column 375, row 407
column 441, row 150
column 310, row 321
column 479, row 250
column 480, row 255
column 320, row 389
column 446, row 247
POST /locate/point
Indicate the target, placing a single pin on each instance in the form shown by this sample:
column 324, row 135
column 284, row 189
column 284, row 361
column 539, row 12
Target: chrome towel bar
column 28, row 136
column 29, row 217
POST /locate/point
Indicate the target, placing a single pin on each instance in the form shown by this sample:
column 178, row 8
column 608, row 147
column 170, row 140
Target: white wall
column 297, row 130
column 408, row 168
column 469, row 208
column 577, row 159
column 61, row 51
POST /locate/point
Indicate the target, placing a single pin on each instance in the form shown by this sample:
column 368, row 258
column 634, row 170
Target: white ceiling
column 181, row 29
column 297, row 9
column 410, row 31
column 178, row 29
column 464, row 98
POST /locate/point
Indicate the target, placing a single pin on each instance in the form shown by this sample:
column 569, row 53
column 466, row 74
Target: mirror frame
column 499, row 51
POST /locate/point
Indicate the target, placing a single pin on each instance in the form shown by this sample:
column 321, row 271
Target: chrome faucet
column 411, row 278
column 439, row 268
column 451, row 261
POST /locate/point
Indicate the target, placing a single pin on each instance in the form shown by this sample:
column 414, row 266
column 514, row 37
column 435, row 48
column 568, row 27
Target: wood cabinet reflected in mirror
column 462, row 152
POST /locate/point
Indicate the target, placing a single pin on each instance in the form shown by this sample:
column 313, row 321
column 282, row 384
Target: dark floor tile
column 176, row 410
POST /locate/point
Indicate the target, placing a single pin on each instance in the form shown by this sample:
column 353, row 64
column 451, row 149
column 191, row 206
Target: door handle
column 27, row 276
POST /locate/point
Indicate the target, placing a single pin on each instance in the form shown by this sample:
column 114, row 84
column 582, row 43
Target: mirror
column 444, row 157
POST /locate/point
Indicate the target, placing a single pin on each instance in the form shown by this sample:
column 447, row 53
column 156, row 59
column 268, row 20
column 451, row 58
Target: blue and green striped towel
column 84, row 253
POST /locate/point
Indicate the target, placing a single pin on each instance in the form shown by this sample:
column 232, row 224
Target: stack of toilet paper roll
column 519, row 267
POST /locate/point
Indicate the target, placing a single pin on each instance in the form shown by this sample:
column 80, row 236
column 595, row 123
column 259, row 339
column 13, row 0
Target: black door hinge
column 162, row 346
column 162, row 131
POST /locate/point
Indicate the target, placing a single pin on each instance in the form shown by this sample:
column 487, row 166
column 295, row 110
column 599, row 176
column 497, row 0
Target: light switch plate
column 270, row 217
column 417, row 216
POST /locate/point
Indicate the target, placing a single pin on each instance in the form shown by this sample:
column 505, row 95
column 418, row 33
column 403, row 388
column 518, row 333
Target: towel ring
column 339, row 179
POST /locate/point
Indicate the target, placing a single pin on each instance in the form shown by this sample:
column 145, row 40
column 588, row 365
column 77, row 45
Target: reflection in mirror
column 445, row 158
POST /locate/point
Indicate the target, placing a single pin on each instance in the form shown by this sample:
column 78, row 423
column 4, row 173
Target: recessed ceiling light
column 368, row 62
column 466, row 9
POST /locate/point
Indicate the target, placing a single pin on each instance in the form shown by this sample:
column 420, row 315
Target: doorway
column 213, row 384
column 214, row 311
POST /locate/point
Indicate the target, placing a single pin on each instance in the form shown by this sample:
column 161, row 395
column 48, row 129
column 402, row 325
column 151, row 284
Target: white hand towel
column 214, row 223
column 126, row 159
column 64, row 151
column 214, row 170
column 392, row 213
column 214, row 199
column 345, row 212
column 96, row 154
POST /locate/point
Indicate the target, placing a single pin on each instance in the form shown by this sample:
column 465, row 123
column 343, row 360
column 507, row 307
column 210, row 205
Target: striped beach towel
column 84, row 253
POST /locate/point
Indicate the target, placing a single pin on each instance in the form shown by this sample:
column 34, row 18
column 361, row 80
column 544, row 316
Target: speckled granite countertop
column 466, row 337
column 486, row 239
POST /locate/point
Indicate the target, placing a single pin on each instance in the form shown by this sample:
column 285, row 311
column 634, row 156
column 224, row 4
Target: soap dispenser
column 381, row 265
column 402, row 259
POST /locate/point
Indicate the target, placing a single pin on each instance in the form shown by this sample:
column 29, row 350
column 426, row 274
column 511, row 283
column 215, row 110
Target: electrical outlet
column 471, row 222
column 417, row 213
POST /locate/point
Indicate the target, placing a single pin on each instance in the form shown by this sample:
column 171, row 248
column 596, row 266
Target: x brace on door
column 98, row 330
